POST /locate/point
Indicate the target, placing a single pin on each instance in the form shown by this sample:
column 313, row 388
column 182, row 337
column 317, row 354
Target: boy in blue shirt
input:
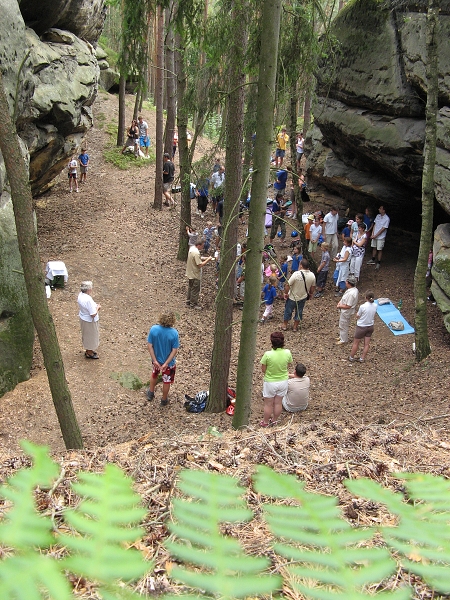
column 163, row 343
column 269, row 294
column 83, row 159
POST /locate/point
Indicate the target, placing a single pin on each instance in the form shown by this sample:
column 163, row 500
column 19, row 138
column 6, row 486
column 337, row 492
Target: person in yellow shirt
column 282, row 140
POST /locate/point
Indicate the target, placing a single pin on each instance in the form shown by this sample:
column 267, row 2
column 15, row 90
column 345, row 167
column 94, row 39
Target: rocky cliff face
column 50, row 73
column 369, row 130
column 370, row 110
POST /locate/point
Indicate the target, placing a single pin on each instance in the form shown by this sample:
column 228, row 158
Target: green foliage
column 128, row 380
column 101, row 524
column 422, row 536
column 326, row 557
column 325, row 549
column 215, row 499
column 113, row 154
column 112, row 55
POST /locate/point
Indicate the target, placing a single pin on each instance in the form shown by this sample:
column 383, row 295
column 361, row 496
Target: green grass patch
column 100, row 119
column 113, row 154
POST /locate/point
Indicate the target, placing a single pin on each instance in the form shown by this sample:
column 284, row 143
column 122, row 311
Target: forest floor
column 388, row 414
column 110, row 233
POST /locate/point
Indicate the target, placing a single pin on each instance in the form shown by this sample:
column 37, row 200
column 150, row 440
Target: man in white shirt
column 331, row 226
column 378, row 237
column 144, row 140
column 347, row 306
column 297, row 396
column 217, row 182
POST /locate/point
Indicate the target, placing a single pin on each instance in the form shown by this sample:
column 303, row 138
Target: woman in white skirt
column 88, row 320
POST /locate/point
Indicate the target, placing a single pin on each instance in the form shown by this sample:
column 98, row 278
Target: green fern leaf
column 215, row 499
column 105, row 517
column 422, row 535
column 23, row 527
column 27, row 576
column 329, row 560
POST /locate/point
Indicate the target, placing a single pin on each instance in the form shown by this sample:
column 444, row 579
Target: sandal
column 264, row 424
column 284, row 328
column 273, row 423
column 95, row 355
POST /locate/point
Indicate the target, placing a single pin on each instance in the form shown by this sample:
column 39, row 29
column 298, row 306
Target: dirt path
column 109, row 233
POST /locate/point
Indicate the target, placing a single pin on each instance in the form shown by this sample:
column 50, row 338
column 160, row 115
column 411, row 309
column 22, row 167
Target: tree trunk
column 183, row 149
column 34, row 278
column 170, row 84
column 137, row 103
column 420, row 291
column 307, row 108
column 271, row 13
column 159, row 93
column 221, row 356
column 121, row 123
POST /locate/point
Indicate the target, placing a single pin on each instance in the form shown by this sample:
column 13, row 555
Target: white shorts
column 378, row 244
column 275, row 388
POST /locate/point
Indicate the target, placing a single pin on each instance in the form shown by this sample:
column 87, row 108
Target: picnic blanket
column 388, row 313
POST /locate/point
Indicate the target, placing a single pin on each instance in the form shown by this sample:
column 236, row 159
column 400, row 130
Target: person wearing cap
column 282, row 140
column 347, row 306
column 347, row 231
column 307, row 227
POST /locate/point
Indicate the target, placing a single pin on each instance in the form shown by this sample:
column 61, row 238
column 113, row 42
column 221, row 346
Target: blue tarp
column 388, row 313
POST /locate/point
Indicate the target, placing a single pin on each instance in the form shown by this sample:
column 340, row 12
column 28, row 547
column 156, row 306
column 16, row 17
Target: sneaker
column 164, row 402
column 337, row 294
column 371, row 262
column 361, row 360
column 150, row 395
column 351, row 359
column 203, row 216
column 340, row 342
column 377, row 266
column 318, row 295
column 262, row 320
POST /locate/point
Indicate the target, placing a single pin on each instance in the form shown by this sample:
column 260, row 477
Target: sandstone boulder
column 371, row 100
column 50, row 76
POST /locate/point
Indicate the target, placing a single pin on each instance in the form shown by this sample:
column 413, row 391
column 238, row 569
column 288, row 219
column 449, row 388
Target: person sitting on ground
column 297, row 396
column 133, row 138
column 269, row 294
column 322, row 271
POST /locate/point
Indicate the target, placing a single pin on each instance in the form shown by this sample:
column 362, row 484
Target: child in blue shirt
column 208, row 233
column 282, row 276
column 296, row 258
column 83, row 160
column 269, row 294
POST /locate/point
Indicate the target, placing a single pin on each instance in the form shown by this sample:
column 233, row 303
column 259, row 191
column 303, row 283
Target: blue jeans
column 292, row 305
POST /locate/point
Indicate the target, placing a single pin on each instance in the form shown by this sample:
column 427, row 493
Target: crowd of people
column 331, row 240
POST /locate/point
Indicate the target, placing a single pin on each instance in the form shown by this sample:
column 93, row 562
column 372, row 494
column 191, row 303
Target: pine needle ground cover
column 251, row 511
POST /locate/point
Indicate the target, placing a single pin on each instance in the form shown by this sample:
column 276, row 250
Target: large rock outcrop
column 370, row 109
column 50, row 77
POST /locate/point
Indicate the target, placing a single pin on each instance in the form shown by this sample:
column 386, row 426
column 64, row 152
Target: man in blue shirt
column 163, row 343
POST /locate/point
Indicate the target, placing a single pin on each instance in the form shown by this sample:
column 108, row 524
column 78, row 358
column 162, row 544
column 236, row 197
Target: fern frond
column 422, row 535
column 23, row 527
column 215, row 499
column 105, row 517
column 27, row 573
column 324, row 555
column 27, row 576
